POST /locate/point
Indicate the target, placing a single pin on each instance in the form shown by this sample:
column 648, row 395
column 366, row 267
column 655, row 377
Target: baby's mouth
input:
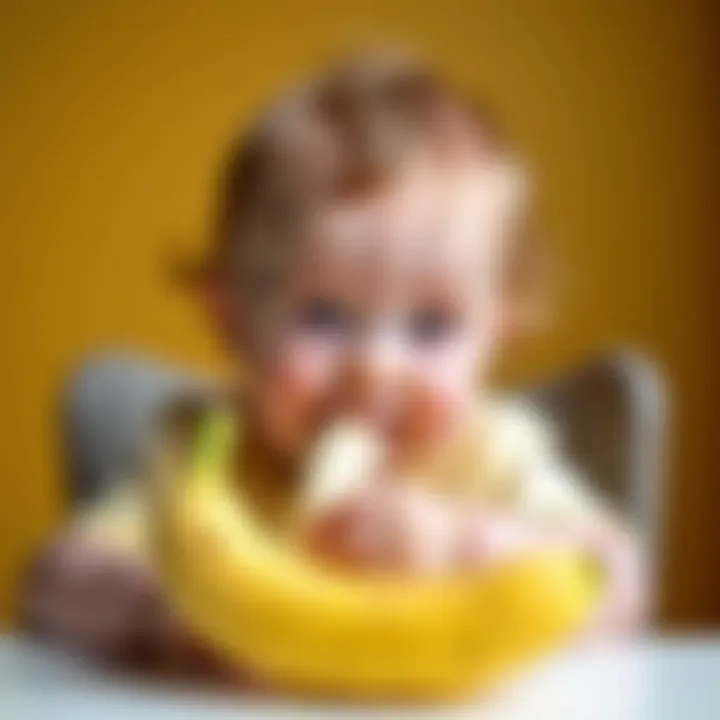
column 382, row 420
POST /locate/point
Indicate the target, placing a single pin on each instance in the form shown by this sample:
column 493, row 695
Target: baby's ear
column 521, row 317
column 224, row 309
column 214, row 295
column 211, row 289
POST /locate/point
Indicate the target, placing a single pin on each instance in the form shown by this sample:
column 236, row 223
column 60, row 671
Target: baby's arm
column 411, row 531
column 492, row 537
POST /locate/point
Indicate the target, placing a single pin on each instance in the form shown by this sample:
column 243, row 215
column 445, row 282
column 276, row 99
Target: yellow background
column 114, row 115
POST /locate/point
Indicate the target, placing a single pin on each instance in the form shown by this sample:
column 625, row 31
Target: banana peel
column 273, row 611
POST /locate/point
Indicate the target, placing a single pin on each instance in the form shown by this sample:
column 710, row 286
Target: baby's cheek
column 442, row 392
column 297, row 389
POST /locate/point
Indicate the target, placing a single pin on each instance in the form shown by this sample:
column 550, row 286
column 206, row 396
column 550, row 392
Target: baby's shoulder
column 525, row 464
column 512, row 430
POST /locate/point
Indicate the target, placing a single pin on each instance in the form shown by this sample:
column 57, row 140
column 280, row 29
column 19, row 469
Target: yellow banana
column 272, row 610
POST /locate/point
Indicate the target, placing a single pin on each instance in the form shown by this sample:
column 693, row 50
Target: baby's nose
column 377, row 377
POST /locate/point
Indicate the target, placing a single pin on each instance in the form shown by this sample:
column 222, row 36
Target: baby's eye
column 431, row 325
column 325, row 315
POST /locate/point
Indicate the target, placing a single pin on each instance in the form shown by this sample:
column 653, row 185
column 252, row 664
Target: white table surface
column 669, row 679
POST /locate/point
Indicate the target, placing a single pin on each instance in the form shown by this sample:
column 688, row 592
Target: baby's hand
column 625, row 608
column 389, row 528
column 97, row 599
column 404, row 528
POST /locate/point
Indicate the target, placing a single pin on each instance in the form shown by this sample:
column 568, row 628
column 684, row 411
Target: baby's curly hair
column 344, row 133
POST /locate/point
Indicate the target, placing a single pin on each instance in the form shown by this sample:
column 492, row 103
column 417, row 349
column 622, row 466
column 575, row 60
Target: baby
column 373, row 256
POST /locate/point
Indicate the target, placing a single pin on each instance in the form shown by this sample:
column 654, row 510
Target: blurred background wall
column 114, row 116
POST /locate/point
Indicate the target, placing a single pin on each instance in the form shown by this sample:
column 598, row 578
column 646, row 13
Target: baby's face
column 391, row 312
